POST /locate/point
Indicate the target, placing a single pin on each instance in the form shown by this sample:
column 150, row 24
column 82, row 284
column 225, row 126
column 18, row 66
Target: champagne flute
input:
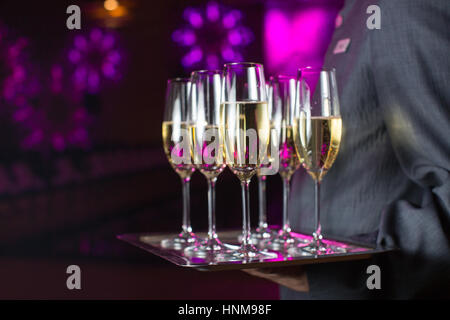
column 263, row 232
column 207, row 149
column 246, row 127
column 317, row 136
column 176, row 141
column 283, row 96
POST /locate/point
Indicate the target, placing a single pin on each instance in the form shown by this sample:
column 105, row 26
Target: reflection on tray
column 283, row 256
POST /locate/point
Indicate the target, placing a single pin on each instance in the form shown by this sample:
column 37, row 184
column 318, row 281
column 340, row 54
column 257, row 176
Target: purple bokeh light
column 212, row 36
column 94, row 58
column 184, row 37
column 212, row 11
column 58, row 119
column 49, row 111
column 234, row 37
column 194, row 56
column 194, row 17
column 231, row 18
column 296, row 38
column 14, row 84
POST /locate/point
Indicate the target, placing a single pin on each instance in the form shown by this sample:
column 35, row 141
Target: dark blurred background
column 80, row 136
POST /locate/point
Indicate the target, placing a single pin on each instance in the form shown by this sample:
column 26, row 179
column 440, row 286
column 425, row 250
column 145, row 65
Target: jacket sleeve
column 411, row 72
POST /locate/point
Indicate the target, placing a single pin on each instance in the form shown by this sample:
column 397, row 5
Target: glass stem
column 212, row 208
column 186, row 206
column 286, row 189
column 245, row 212
column 317, row 234
column 262, row 224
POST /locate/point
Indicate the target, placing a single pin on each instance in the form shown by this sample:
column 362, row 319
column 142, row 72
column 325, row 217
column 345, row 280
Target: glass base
column 248, row 252
column 182, row 240
column 316, row 247
column 283, row 241
column 208, row 247
column 260, row 234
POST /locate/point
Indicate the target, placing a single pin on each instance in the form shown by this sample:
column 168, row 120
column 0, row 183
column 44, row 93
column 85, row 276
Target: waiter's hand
column 291, row 277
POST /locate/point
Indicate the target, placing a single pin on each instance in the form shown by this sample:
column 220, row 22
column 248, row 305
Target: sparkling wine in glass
column 284, row 97
column 263, row 232
column 207, row 150
column 246, row 128
column 176, row 142
column 318, row 130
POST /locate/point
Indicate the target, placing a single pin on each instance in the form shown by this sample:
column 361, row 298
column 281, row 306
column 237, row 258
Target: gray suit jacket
column 391, row 178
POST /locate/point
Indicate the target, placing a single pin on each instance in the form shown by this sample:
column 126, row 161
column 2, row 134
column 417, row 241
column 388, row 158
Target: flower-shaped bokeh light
column 13, row 71
column 212, row 35
column 95, row 58
column 59, row 120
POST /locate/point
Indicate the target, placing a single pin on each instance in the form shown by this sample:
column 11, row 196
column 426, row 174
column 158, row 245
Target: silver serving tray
column 151, row 242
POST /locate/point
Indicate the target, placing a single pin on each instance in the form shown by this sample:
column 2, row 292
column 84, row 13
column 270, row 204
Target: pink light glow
column 189, row 38
column 308, row 27
column 295, row 38
column 277, row 34
column 228, row 54
column 19, row 73
column 192, row 57
column 185, row 37
column 230, row 19
column 196, row 54
column 108, row 70
column 193, row 17
column 234, row 37
column 212, row 11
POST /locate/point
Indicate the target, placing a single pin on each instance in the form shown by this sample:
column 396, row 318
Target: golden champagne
column 175, row 146
column 317, row 140
column 289, row 160
column 246, row 133
column 207, row 150
column 268, row 161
